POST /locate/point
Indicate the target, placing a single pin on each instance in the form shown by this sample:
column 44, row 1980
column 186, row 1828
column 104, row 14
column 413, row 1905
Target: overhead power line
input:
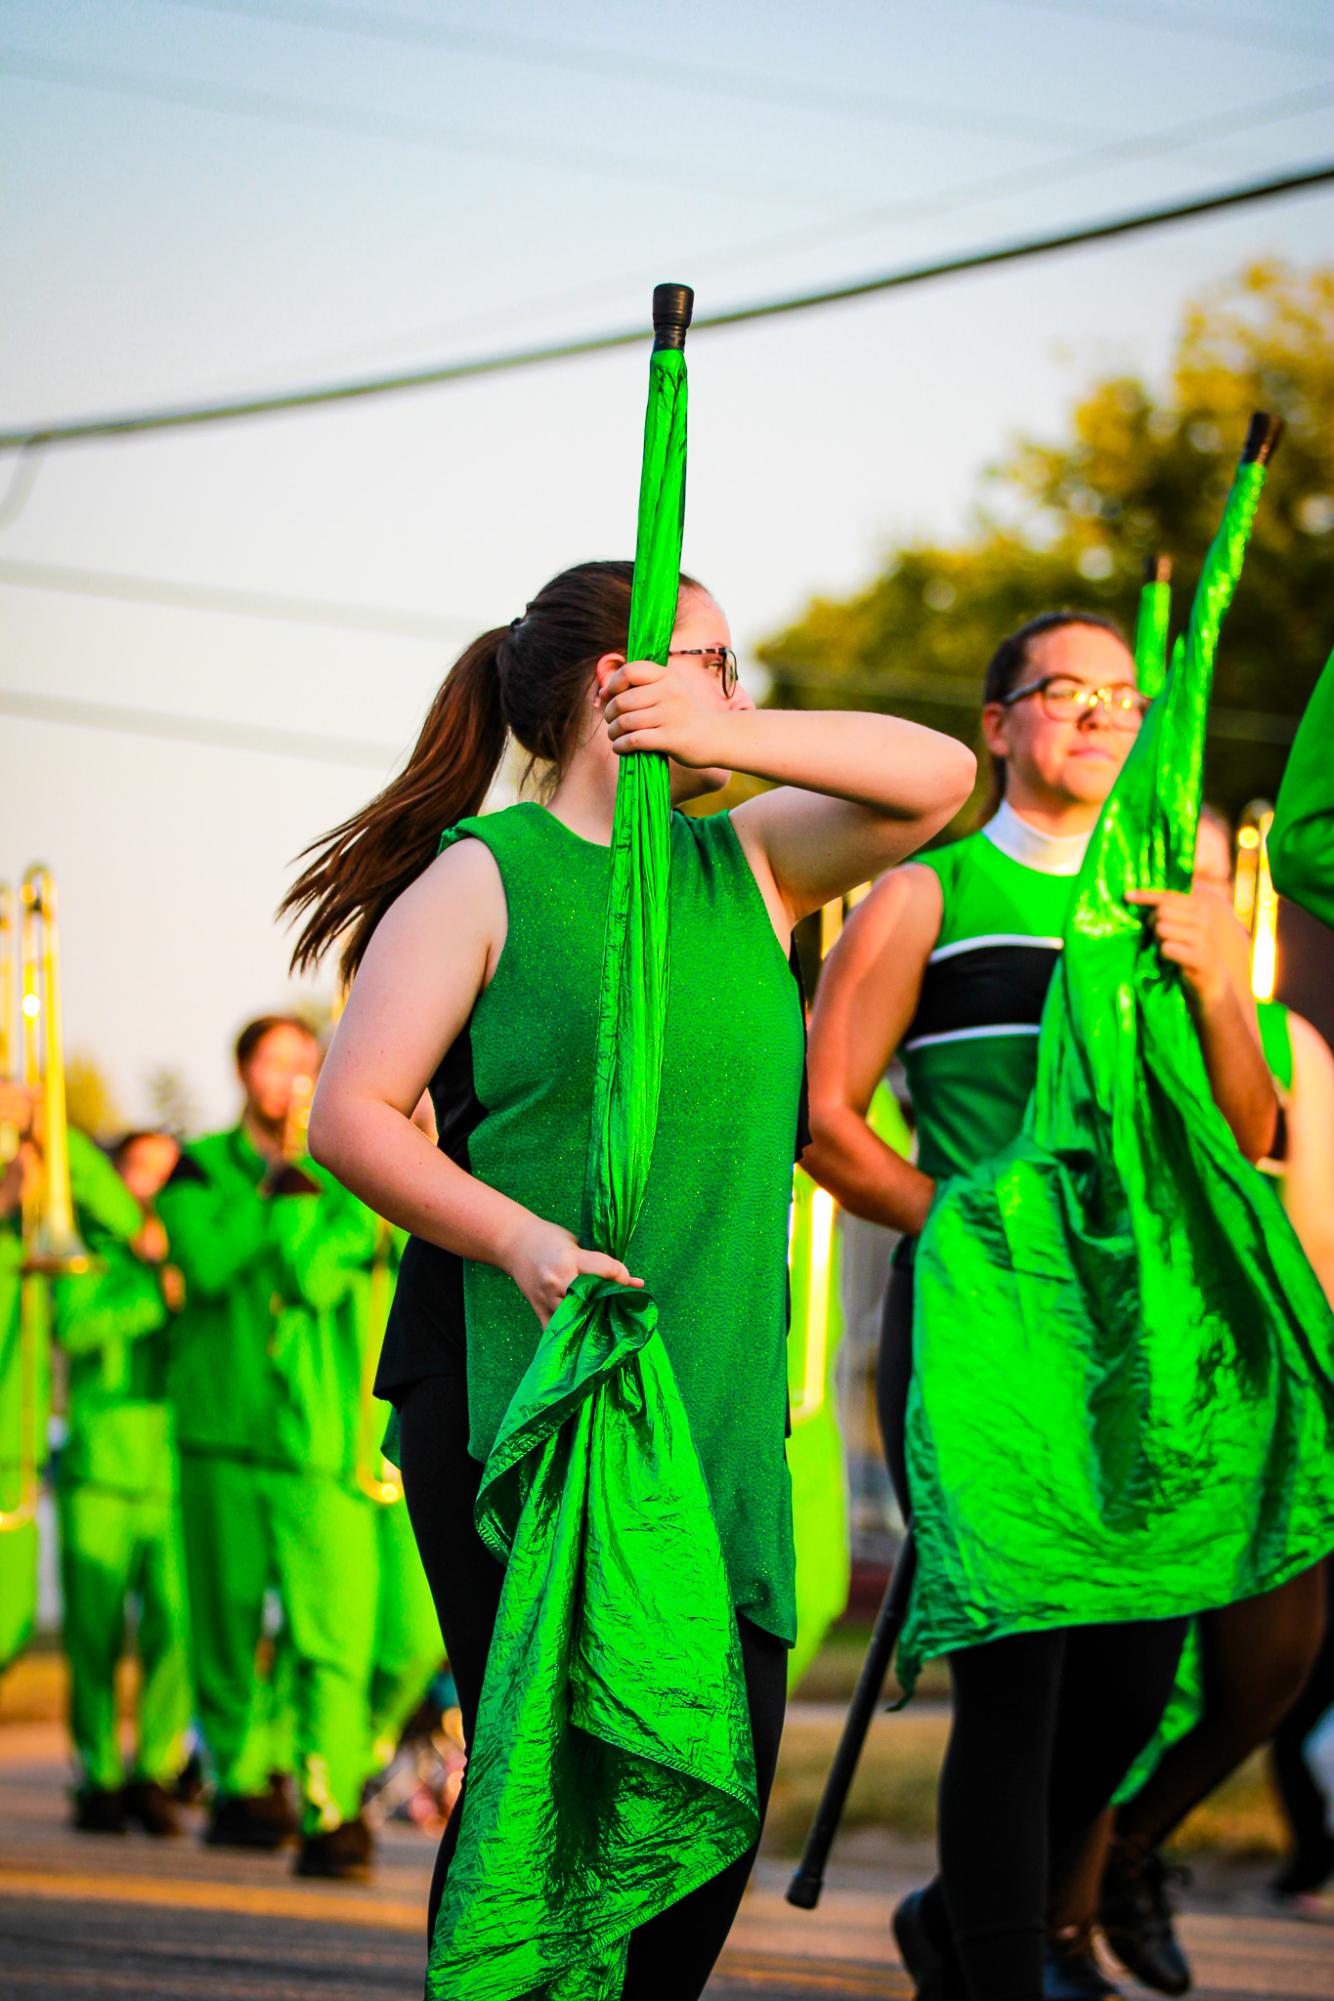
column 1031, row 178
column 31, row 707
column 1244, row 725
column 1210, row 24
column 660, row 69
column 386, row 621
column 445, row 136
column 139, row 423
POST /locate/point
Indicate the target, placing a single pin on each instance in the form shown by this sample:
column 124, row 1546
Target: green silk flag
column 1301, row 840
column 1122, row 1405
column 612, row 1769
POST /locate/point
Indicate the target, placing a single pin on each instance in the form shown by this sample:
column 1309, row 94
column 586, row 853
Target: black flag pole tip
column 1157, row 569
column 672, row 307
column 1262, row 439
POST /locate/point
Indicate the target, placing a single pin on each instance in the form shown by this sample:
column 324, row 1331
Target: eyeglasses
column 1065, row 700
column 721, row 658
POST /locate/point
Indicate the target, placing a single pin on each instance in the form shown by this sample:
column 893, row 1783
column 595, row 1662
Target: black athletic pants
column 672, row 1956
column 1045, row 1727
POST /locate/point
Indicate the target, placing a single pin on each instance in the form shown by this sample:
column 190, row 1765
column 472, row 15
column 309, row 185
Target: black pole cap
column 1261, row 439
column 672, row 307
column 1157, row 569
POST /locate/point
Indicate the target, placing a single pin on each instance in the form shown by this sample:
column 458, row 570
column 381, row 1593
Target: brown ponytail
column 527, row 680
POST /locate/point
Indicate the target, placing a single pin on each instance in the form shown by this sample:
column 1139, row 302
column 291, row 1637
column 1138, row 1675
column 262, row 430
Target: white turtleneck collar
column 1050, row 854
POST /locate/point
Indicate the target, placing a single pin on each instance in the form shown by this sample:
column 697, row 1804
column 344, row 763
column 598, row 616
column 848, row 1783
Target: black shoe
column 1070, row 1969
column 936, row 1974
column 99, row 1812
column 151, row 1807
column 1136, row 1914
column 252, row 1821
column 189, row 1787
column 280, row 1802
column 345, row 1855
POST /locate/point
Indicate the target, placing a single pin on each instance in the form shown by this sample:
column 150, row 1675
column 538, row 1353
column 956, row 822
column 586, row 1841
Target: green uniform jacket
column 114, row 1326
column 264, row 1366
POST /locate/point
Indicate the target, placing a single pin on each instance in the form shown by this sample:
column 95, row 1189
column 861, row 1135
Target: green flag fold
column 1123, row 1396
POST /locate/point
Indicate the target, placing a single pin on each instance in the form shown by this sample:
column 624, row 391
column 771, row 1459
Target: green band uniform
column 265, row 1383
column 119, row 1525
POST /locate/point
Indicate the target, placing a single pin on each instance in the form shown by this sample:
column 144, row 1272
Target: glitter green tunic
column 712, row 1234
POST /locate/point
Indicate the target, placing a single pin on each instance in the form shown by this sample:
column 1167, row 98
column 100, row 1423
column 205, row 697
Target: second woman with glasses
column 948, row 961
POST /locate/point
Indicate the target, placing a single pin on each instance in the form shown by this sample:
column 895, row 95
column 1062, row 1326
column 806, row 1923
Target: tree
column 1069, row 522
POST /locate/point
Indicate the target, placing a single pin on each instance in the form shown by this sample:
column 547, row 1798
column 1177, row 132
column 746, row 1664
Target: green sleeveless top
column 711, row 1241
column 971, row 1048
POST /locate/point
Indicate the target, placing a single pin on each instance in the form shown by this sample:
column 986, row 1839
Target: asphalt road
column 86, row 1918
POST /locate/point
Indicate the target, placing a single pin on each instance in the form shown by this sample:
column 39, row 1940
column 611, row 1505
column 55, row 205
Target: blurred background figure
column 118, row 1510
column 266, row 1388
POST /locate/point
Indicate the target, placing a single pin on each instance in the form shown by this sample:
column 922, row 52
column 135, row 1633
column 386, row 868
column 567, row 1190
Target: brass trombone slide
column 31, row 1047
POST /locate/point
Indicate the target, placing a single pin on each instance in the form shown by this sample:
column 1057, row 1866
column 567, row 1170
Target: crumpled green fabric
column 1301, row 840
column 1122, row 1405
column 612, row 1769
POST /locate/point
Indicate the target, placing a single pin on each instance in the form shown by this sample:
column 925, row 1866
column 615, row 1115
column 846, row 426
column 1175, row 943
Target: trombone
column 31, row 1050
column 1255, row 899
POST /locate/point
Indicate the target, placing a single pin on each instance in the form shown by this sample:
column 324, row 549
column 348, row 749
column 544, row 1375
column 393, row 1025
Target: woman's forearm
column 883, row 762
column 395, row 1169
column 865, row 1176
column 1239, row 1078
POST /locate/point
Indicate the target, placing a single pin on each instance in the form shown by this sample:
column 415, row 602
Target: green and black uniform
column 1075, row 1705
column 970, row 1051
column 265, row 1384
column 513, row 1104
column 119, row 1525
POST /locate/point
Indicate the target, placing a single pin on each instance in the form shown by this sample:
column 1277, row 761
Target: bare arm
column 859, row 792
column 867, row 996
column 1308, row 1179
column 1199, row 933
column 431, row 956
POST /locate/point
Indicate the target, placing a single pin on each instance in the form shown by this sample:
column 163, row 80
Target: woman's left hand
column 648, row 707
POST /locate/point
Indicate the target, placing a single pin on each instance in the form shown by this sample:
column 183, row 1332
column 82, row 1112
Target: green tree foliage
column 1069, row 522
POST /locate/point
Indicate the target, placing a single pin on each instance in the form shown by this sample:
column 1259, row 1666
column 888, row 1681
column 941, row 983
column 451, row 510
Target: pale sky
column 332, row 202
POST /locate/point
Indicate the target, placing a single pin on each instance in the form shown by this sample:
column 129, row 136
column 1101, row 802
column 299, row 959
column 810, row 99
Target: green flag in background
column 612, row 1770
column 1123, row 1405
column 1301, row 840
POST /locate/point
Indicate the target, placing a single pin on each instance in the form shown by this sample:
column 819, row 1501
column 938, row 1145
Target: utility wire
column 1034, row 178
column 385, row 621
column 277, row 107
column 31, row 707
column 700, row 78
column 1245, row 725
column 138, row 423
column 1183, row 21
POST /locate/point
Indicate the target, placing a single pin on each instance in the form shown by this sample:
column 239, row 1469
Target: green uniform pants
column 114, row 1547
column 247, row 1527
column 18, row 1591
column 408, row 1646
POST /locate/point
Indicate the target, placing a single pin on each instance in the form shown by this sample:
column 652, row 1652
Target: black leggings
column 672, row 1956
column 1045, row 1727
